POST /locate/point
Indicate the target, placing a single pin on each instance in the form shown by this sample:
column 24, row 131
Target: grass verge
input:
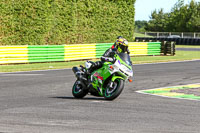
column 187, row 46
column 180, row 56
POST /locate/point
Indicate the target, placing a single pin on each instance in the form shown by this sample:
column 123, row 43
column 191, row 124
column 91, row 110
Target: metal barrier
column 13, row 54
column 52, row 53
column 45, row 53
column 170, row 34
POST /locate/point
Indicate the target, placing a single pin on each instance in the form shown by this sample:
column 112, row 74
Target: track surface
column 41, row 102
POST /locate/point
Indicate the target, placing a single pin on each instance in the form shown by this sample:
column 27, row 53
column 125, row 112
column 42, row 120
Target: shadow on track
column 86, row 98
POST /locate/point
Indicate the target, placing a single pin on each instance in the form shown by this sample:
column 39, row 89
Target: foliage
column 157, row 22
column 182, row 18
column 140, row 26
column 39, row 22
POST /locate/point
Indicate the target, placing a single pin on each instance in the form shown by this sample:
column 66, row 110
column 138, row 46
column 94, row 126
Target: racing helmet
column 122, row 45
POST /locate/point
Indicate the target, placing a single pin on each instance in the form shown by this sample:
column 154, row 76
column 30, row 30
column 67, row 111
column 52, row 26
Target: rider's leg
column 95, row 66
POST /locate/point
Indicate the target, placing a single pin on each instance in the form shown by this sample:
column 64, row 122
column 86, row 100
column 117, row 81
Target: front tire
column 112, row 93
column 79, row 90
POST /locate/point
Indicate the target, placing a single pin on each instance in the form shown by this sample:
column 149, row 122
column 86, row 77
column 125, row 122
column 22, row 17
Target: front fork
column 111, row 82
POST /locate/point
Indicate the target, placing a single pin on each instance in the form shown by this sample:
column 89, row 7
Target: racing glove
column 109, row 59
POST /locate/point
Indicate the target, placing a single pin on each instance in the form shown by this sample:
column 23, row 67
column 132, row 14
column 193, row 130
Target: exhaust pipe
column 75, row 70
column 79, row 74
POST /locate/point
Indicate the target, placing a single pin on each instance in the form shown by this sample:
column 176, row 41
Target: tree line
column 182, row 18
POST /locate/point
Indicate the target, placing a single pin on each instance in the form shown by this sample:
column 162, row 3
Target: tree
column 158, row 21
column 182, row 18
column 140, row 26
column 194, row 22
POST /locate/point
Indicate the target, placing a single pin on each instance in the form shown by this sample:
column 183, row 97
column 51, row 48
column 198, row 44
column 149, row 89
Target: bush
column 40, row 22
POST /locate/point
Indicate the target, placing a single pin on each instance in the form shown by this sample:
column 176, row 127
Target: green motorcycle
column 107, row 81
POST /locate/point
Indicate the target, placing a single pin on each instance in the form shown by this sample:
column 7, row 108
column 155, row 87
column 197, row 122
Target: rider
column 117, row 44
column 120, row 46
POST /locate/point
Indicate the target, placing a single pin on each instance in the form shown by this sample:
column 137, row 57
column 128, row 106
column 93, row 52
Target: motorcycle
column 107, row 81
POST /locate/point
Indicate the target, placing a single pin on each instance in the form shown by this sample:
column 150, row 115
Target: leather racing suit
column 107, row 56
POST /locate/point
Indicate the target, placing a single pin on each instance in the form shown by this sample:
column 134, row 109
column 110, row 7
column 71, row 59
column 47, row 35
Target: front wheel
column 113, row 92
column 79, row 90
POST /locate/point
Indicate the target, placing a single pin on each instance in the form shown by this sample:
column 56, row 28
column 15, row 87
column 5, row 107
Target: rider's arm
column 128, row 52
column 110, row 59
column 107, row 56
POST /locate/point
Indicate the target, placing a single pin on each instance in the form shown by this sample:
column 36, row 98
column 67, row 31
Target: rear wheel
column 79, row 90
column 113, row 92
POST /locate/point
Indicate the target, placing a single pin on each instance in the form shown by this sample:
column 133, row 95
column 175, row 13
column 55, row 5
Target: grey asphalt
column 42, row 102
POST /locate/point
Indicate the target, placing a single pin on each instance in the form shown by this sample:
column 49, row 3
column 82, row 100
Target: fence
column 179, row 41
column 171, row 34
column 53, row 53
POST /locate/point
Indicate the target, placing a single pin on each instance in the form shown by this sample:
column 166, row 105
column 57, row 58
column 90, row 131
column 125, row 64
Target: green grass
column 187, row 46
column 39, row 66
column 180, row 56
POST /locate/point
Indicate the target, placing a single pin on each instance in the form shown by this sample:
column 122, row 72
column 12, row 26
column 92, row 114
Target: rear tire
column 79, row 90
column 112, row 93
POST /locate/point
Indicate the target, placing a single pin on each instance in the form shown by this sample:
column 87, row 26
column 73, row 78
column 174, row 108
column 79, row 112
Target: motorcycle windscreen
column 126, row 58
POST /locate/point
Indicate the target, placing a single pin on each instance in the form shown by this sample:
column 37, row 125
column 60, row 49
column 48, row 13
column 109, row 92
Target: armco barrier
column 101, row 48
column 13, row 54
column 52, row 53
column 145, row 48
column 45, row 53
column 79, row 51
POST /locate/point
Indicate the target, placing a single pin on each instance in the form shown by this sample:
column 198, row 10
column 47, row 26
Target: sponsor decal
column 98, row 76
column 190, row 91
column 119, row 62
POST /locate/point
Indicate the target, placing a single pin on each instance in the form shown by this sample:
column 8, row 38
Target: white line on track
column 99, row 101
column 16, row 74
column 140, row 91
column 36, row 71
column 167, row 96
